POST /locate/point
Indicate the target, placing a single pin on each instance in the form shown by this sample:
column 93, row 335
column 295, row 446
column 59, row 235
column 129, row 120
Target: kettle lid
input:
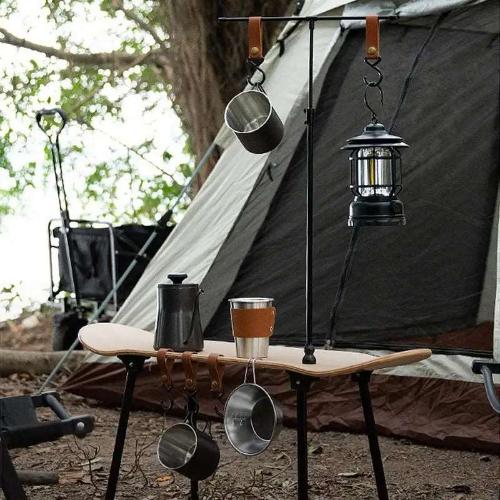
column 177, row 278
column 177, row 282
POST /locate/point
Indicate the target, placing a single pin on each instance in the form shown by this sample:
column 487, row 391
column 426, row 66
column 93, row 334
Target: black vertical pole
column 301, row 385
column 309, row 357
column 363, row 379
column 192, row 410
column 133, row 364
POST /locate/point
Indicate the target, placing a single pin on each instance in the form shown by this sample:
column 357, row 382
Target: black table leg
column 9, row 482
column 301, row 384
column 134, row 365
column 363, row 379
column 192, row 410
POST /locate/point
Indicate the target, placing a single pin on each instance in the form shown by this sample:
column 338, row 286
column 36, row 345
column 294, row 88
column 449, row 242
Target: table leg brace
column 134, row 365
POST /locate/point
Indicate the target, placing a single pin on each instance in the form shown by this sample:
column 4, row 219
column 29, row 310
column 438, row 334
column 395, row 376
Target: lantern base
column 376, row 211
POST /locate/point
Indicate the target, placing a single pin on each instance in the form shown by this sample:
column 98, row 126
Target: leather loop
column 255, row 51
column 252, row 323
column 216, row 371
column 190, row 368
column 372, row 37
column 165, row 364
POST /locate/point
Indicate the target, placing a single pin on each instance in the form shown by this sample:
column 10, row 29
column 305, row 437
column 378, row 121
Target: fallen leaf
column 164, row 480
column 349, row 474
column 70, row 477
column 315, row 450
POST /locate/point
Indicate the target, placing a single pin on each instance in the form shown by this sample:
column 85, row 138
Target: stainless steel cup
column 252, row 118
column 250, row 347
column 252, row 418
column 187, row 450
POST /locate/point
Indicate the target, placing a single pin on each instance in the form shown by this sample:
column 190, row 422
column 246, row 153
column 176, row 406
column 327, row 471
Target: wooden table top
column 111, row 339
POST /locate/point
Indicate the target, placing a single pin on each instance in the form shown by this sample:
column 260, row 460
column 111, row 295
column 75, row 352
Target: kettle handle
column 196, row 311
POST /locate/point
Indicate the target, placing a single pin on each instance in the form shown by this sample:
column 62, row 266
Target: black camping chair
column 20, row 428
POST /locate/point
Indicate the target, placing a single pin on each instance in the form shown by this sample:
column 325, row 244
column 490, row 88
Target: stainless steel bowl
column 252, row 419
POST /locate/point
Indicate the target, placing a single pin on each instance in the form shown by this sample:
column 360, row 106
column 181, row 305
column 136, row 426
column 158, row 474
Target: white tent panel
column 195, row 242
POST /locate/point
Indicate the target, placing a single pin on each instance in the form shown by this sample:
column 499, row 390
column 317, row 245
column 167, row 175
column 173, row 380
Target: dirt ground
column 339, row 463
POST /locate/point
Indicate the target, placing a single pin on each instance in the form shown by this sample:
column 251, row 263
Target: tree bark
column 36, row 478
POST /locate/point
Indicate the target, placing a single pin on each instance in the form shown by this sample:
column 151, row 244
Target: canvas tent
column 430, row 283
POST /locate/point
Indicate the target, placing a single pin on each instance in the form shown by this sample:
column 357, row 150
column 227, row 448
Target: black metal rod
column 309, row 347
column 192, row 406
column 304, row 18
column 301, row 385
column 9, row 481
column 133, row 365
column 363, row 380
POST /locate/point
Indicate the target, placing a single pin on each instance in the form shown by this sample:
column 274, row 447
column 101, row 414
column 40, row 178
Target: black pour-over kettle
column 178, row 324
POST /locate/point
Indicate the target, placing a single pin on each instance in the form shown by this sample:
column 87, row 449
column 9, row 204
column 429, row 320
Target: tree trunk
column 209, row 60
column 35, row 362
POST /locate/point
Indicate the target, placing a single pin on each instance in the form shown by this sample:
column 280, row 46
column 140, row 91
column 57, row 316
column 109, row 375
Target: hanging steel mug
column 178, row 324
column 252, row 118
column 252, row 419
column 185, row 449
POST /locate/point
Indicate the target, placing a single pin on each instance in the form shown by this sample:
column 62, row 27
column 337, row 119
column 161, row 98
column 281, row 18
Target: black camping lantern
column 376, row 178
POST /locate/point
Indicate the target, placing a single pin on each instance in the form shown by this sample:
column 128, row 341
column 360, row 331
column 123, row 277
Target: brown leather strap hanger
column 255, row 51
column 165, row 364
column 372, row 37
column 216, row 371
column 190, row 369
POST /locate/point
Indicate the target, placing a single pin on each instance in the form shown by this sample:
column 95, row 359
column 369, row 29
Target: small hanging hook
column 251, row 361
column 373, row 63
column 253, row 69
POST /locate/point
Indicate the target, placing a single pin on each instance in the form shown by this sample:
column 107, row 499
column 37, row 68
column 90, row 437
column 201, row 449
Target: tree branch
column 130, row 14
column 103, row 59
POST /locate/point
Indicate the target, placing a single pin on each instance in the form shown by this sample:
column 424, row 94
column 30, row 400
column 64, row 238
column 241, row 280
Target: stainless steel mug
column 185, row 449
column 252, row 118
column 178, row 324
column 252, row 418
column 252, row 322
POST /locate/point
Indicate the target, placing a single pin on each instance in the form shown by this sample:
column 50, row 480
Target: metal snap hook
column 256, row 69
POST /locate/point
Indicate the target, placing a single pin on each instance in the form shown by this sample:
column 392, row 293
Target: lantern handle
column 376, row 84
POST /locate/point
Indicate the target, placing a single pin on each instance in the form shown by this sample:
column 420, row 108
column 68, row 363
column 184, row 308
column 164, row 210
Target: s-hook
column 373, row 63
column 252, row 65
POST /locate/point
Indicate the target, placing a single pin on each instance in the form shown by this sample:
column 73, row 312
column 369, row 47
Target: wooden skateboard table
column 133, row 346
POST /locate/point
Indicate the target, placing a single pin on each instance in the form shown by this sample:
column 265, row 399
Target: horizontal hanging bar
column 304, row 18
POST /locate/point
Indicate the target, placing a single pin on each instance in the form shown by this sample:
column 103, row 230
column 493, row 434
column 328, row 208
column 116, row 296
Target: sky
column 24, row 258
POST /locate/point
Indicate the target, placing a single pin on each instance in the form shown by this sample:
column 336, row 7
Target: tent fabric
column 197, row 239
column 423, row 279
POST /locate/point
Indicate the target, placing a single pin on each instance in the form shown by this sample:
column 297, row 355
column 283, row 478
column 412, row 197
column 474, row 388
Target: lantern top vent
column 375, row 135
